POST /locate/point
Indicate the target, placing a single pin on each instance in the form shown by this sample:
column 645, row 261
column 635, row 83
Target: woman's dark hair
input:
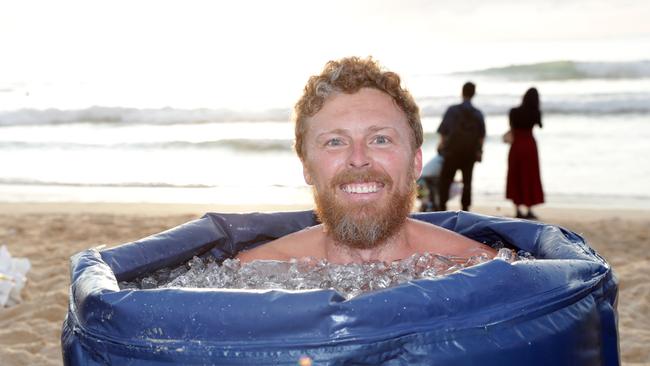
column 530, row 106
column 531, row 99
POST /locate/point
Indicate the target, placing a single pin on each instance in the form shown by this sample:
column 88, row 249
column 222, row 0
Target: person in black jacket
column 462, row 132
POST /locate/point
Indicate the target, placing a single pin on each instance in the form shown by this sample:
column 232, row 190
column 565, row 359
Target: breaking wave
column 568, row 70
column 585, row 104
column 605, row 103
column 253, row 145
column 123, row 115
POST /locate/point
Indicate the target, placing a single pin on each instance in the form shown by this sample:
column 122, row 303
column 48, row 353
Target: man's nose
column 359, row 156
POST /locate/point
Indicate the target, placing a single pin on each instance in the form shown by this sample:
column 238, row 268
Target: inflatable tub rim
column 595, row 276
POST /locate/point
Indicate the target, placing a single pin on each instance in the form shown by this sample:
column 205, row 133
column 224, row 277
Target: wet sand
column 49, row 233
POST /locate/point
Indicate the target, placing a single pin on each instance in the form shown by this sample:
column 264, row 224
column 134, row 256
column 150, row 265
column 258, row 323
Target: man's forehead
column 367, row 109
column 364, row 98
column 350, row 129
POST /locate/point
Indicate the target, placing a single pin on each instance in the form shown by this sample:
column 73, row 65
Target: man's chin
column 363, row 224
column 362, row 212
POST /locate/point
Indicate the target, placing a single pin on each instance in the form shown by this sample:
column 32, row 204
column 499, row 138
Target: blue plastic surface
column 557, row 310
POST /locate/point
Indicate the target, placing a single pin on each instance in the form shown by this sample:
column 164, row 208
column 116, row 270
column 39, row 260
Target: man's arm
column 479, row 150
column 443, row 130
column 441, row 143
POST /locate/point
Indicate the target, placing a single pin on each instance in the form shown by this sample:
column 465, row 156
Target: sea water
column 596, row 119
column 308, row 273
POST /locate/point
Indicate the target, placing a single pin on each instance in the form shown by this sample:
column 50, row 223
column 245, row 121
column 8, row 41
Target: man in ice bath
column 359, row 138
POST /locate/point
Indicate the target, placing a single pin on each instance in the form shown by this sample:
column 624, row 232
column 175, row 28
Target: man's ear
column 305, row 174
column 417, row 163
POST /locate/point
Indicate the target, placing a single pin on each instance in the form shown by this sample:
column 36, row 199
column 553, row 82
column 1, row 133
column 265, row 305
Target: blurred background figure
column 462, row 132
column 428, row 185
column 524, row 184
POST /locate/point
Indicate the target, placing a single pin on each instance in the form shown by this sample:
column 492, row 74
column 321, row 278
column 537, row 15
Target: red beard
column 364, row 225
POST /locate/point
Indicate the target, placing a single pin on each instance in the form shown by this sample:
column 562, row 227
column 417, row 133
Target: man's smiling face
column 360, row 159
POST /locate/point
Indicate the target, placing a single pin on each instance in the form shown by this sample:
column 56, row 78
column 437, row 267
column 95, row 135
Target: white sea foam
column 638, row 103
column 585, row 102
column 242, row 144
column 123, row 115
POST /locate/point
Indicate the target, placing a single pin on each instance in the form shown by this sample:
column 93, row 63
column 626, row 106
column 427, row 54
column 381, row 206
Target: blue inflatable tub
column 557, row 310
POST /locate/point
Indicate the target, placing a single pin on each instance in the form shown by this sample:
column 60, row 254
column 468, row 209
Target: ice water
column 310, row 273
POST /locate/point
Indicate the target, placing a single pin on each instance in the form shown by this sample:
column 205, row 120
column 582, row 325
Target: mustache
column 361, row 176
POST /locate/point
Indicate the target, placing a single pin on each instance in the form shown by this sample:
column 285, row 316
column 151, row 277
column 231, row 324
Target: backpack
column 465, row 135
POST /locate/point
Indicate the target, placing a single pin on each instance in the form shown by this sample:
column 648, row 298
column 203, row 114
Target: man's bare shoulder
column 426, row 237
column 300, row 244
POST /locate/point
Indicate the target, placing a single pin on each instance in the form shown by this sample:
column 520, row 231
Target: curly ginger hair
column 349, row 75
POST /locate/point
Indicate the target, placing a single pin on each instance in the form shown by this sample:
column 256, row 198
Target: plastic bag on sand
column 12, row 277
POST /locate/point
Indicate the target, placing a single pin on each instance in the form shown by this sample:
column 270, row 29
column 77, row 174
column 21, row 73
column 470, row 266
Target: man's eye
column 334, row 142
column 381, row 139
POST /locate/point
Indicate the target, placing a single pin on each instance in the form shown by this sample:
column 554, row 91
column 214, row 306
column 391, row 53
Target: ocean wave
column 568, row 70
column 279, row 145
column 584, row 104
column 603, row 103
column 35, row 182
column 257, row 145
column 123, row 115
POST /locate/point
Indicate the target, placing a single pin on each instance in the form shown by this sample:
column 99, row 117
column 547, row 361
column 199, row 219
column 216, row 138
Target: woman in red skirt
column 524, row 185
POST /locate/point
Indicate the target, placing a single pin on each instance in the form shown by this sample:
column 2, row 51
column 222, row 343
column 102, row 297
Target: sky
column 217, row 46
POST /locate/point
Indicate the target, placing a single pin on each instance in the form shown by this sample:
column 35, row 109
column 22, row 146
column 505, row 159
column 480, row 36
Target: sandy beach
column 49, row 233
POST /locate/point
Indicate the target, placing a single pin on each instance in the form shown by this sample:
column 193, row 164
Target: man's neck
column 387, row 251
